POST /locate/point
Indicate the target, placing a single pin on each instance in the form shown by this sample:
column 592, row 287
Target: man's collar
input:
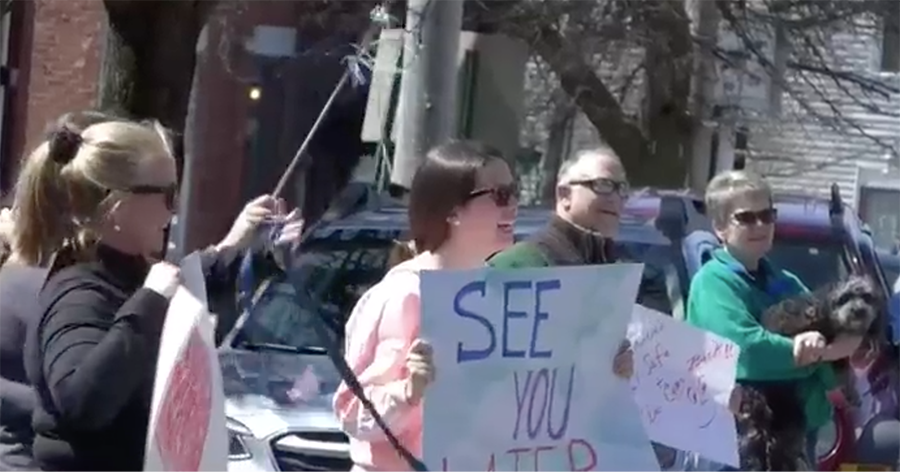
column 591, row 246
column 568, row 225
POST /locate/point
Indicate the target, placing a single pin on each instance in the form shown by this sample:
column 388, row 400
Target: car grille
column 289, row 458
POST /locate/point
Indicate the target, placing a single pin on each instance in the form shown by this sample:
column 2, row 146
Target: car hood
column 271, row 392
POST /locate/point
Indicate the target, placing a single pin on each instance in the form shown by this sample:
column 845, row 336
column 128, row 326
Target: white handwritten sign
column 524, row 361
column 683, row 379
column 187, row 421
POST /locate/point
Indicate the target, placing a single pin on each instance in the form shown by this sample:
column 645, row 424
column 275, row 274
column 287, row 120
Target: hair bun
column 64, row 144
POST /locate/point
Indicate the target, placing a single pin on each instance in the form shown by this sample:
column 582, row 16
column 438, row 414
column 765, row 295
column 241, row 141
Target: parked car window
column 659, row 290
column 276, row 319
column 815, row 263
column 891, row 270
column 332, row 275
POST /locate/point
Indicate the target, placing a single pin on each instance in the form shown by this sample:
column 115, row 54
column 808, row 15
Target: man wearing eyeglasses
column 590, row 194
column 591, row 190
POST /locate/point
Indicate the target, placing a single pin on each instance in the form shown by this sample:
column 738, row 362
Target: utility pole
column 426, row 114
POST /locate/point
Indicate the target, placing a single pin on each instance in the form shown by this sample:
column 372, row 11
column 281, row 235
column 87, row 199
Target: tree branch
column 594, row 99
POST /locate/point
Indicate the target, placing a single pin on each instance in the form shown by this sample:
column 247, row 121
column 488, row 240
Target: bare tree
column 654, row 138
column 628, row 65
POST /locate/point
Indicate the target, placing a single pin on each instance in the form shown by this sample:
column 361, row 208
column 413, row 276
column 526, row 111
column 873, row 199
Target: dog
column 771, row 423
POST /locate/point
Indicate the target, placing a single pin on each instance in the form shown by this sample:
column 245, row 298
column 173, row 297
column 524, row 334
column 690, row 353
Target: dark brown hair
column 442, row 184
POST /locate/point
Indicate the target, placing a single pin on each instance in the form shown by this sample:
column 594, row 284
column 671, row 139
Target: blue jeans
column 811, row 438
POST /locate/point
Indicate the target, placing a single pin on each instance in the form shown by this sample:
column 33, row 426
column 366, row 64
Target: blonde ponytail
column 41, row 209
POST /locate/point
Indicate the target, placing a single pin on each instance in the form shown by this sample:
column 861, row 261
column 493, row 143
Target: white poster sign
column 187, row 421
column 683, row 379
column 525, row 378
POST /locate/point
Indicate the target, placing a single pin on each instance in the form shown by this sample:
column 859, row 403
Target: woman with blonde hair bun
column 95, row 206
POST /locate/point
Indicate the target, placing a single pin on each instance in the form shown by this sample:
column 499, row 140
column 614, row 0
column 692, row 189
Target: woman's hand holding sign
column 420, row 365
column 734, row 401
column 164, row 279
column 623, row 363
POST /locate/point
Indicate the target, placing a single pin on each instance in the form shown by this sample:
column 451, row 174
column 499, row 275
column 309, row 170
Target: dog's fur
column 771, row 423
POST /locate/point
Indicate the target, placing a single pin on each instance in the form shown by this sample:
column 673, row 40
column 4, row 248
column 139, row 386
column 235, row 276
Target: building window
column 890, row 37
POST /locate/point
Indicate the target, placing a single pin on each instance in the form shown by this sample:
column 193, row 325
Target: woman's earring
column 117, row 228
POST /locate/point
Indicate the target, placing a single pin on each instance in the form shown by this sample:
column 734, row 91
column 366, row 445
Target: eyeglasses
column 604, row 186
column 169, row 192
column 502, row 195
column 749, row 218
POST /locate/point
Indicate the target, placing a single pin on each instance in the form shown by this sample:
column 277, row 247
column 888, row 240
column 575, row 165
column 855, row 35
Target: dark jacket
column 19, row 287
column 561, row 243
column 91, row 356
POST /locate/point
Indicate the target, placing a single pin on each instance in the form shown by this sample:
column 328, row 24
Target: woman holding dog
column 731, row 291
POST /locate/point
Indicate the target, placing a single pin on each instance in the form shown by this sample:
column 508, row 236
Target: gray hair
column 571, row 169
column 727, row 187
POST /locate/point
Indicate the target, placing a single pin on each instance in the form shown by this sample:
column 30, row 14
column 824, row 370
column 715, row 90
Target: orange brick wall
column 60, row 55
column 64, row 67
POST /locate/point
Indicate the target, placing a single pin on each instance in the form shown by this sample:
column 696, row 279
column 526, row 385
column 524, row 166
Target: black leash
column 347, row 373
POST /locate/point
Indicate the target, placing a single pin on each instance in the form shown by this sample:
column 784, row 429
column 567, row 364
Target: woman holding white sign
column 91, row 353
column 462, row 207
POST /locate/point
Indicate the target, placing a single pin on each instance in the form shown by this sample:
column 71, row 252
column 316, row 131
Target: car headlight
column 237, row 446
column 827, row 439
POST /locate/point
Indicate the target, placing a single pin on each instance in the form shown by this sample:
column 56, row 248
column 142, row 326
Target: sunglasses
column 502, row 195
column 749, row 218
column 169, row 192
column 603, row 186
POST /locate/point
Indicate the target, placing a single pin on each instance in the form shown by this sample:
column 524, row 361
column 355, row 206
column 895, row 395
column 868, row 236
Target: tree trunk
column 705, row 26
column 558, row 138
column 646, row 161
column 666, row 116
column 148, row 65
column 594, row 99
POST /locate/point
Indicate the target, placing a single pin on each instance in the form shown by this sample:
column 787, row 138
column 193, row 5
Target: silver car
column 278, row 384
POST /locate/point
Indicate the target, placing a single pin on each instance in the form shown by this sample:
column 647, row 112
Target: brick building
column 51, row 52
column 258, row 86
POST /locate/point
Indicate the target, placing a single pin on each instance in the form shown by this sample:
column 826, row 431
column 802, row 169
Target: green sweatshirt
column 727, row 300
column 522, row 255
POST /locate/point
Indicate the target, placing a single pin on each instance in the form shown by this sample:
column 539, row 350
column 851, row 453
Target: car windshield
column 816, row 263
column 332, row 274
